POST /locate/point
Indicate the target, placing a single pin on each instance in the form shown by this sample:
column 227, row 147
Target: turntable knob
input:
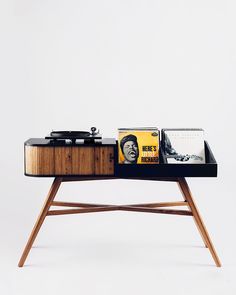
column 93, row 129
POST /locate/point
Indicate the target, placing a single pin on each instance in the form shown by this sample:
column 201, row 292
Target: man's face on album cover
column 130, row 151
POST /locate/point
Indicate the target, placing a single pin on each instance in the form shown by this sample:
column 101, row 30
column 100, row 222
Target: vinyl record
column 69, row 134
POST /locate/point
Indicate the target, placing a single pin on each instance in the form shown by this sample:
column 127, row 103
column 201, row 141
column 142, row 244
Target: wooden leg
column 199, row 222
column 51, row 195
column 186, row 200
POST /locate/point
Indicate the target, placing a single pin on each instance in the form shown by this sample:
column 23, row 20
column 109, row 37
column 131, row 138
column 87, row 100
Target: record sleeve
column 183, row 146
column 138, row 145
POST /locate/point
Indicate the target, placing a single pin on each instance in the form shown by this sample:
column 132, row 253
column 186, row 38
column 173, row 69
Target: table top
column 48, row 142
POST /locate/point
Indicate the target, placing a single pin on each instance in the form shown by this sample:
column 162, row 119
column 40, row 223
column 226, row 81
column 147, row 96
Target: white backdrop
column 76, row 64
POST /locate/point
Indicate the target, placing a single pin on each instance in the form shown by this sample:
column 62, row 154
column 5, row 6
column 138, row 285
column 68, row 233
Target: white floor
column 118, row 252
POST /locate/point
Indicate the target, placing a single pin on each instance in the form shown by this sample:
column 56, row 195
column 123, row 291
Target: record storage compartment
column 208, row 169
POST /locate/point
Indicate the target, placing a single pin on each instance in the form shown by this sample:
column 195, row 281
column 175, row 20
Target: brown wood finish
column 84, row 210
column 199, row 229
column 163, row 204
column 184, row 188
column 148, row 205
column 69, row 160
column 82, row 160
column 72, row 204
column 63, row 160
column 104, row 160
column 39, row 160
column 51, row 195
column 154, row 210
column 115, row 208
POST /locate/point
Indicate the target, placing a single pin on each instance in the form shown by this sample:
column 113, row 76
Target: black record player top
column 88, row 137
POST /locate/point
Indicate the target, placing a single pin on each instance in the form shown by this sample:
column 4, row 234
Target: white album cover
column 184, row 146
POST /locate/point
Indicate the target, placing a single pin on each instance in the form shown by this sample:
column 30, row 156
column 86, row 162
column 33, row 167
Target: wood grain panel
column 104, row 160
column 82, row 160
column 63, row 162
column 39, row 160
column 69, row 160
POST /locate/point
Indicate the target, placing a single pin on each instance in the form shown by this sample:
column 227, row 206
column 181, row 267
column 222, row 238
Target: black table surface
column 48, row 142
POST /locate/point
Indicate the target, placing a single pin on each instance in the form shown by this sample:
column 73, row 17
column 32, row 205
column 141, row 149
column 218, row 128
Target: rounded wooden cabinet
column 42, row 158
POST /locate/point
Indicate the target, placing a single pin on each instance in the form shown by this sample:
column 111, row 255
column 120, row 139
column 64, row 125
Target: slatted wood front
column 69, row 160
column 83, row 161
column 104, row 161
column 63, row 161
column 39, row 160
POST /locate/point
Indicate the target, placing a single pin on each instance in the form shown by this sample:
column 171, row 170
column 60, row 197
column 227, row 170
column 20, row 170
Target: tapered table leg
column 199, row 222
column 51, row 195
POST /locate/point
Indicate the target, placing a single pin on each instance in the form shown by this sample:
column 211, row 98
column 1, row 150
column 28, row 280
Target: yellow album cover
column 138, row 145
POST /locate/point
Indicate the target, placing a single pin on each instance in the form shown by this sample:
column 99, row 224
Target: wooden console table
column 100, row 163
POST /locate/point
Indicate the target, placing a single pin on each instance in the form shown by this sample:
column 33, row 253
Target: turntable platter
column 69, row 134
column 72, row 136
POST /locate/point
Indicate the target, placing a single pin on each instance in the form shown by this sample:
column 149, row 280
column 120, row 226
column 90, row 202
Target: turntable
column 74, row 136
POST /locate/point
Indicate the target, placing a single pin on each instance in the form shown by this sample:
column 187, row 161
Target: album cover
column 184, row 146
column 138, row 145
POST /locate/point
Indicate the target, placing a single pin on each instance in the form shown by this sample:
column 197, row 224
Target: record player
column 74, row 136
column 70, row 153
